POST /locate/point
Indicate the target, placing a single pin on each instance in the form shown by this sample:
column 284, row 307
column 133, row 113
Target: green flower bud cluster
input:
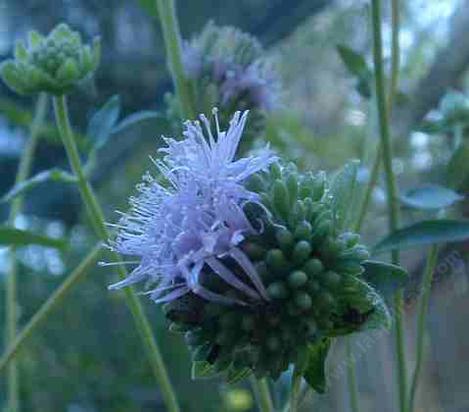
column 53, row 64
column 311, row 273
column 229, row 70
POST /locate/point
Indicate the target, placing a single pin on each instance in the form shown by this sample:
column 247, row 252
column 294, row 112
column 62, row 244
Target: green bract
column 313, row 275
column 53, row 64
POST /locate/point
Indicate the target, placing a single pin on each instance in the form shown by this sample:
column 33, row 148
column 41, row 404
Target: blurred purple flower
column 179, row 229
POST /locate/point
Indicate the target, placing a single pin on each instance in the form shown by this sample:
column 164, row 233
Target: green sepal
column 34, row 39
column 203, row 370
column 21, row 54
column 68, row 71
column 235, row 375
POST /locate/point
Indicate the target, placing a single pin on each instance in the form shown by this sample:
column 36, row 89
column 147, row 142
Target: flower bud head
column 53, row 64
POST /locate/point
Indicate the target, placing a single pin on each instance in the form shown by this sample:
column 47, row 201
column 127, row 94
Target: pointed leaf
column 203, row 370
column 17, row 237
column 384, row 277
column 54, row 175
column 136, row 118
column 103, row 122
column 430, row 197
column 342, row 191
column 315, row 372
column 427, row 232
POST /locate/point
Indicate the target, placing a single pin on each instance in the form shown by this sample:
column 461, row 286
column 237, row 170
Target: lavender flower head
column 196, row 218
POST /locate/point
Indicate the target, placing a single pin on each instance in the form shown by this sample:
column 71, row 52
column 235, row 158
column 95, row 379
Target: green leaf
column 365, row 299
column 427, row 232
column 235, row 375
column 342, row 191
column 103, row 122
column 353, row 61
column 17, row 237
column 384, row 277
column 135, row 119
column 357, row 67
column 54, row 175
column 203, row 370
column 149, row 6
column 430, row 197
column 315, row 372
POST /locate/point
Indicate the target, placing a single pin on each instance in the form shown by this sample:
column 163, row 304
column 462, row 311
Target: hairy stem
column 48, row 306
column 392, row 194
column 421, row 321
column 97, row 219
column 172, row 41
column 24, row 169
column 262, row 392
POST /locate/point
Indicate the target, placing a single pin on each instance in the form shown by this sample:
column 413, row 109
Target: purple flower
column 179, row 229
column 258, row 80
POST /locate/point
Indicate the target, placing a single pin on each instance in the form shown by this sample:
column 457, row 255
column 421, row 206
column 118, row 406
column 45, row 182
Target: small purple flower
column 258, row 80
column 178, row 229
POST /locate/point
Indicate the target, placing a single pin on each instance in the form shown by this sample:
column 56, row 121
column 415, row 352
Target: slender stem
column 392, row 195
column 24, row 169
column 97, row 218
column 295, row 390
column 422, row 318
column 395, row 65
column 395, row 54
column 48, row 306
column 262, row 392
column 352, row 377
column 172, row 40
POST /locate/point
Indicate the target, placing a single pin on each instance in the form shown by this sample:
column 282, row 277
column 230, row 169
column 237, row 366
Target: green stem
column 352, row 377
column 422, row 318
column 295, row 390
column 24, row 169
column 262, row 392
column 395, row 65
column 172, row 41
column 392, row 195
column 97, row 218
column 395, row 54
column 47, row 307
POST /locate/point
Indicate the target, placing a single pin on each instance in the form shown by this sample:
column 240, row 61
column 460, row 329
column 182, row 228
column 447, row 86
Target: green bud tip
column 297, row 279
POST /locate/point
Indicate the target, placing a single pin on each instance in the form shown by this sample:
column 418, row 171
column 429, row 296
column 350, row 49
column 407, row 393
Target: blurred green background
column 88, row 356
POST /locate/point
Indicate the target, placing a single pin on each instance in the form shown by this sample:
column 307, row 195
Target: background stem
column 262, row 392
column 97, row 218
column 392, row 194
column 393, row 84
column 352, row 378
column 295, row 390
column 421, row 321
column 51, row 303
column 24, row 169
column 172, row 41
